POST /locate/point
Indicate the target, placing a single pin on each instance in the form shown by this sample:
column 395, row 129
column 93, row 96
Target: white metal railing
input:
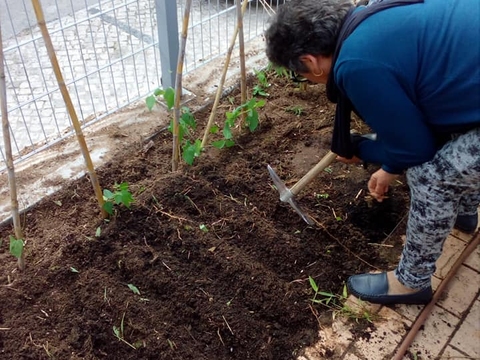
column 108, row 53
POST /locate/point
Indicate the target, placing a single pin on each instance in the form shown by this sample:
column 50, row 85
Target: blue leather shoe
column 466, row 223
column 374, row 288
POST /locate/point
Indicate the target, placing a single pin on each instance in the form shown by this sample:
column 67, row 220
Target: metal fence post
column 167, row 27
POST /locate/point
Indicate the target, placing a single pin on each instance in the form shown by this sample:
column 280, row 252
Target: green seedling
column 120, row 196
column 279, row 71
column 204, row 228
column 72, row 269
column 16, row 246
column 338, row 303
column 191, row 148
column 296, row 110
column 167, row 94
column 262, row 79
column 259, row 91
column 322, row 196
column 119, row 333
column 134, row 289
column 328, row 170
column 251, row 121
column 98, row 232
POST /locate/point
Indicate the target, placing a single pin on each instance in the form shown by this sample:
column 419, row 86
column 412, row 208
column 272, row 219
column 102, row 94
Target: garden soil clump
column 220, row 264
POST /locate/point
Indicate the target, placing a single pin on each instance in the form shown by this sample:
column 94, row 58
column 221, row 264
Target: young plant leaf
column 219, row 144
column 134, row 289
column 108, row 207
column 169, row 96
column 313, row 284
column 150, row 101
column 16, row 247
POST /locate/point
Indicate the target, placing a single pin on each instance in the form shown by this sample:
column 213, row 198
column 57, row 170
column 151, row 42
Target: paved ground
column 452, row 330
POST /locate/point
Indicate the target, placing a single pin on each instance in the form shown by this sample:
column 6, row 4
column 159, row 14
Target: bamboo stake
column 9, row 157
column 407, row 341
column 222, row 81
column 68, row 102
column 178, row 86
column 243, row 72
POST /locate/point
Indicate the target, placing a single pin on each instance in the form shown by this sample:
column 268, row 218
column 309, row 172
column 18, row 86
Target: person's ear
column 312, row 63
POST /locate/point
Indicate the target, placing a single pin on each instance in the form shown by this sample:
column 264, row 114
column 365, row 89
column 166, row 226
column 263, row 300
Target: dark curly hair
column 303, row 27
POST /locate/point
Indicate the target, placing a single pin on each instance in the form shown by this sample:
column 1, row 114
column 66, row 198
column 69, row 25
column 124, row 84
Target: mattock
column 288, row 195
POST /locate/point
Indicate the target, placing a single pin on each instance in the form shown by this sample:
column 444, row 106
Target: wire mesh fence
column 109, row 56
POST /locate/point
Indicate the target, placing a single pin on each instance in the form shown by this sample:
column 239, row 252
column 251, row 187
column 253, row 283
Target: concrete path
column 452, row 331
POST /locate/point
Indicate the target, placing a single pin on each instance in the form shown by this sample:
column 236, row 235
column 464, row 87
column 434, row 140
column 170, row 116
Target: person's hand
column 353, row 160
column 379, row 183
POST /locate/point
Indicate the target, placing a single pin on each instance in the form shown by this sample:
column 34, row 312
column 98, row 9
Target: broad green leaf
column 169, row 96
column 220, row 144
column 108, row 207
column 188, row 153
column 198, row 147
column 229, row 143
column 252, row 121
column 214, row 129
column 107, row 194
column 16, row 247
column 158, row 91
column 150, row 101
column 259, row 104
column 123, row 186
column 134, row 289
column 189, row 119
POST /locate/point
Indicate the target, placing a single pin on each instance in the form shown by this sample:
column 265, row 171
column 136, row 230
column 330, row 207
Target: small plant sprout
column 72, row 269
column 263, row 84
column 98, row 232
column 167, row 94
column 204, row 228
column 119, row 333
column 322, row 196
column 279, row 71
column 16, row 246
column 296, row 110
column 338, row 303
column 251, row 121
column 120, row 196
column 134, row 289
column 191, row 148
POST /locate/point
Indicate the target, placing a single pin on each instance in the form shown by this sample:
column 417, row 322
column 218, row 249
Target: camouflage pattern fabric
column 440, row 189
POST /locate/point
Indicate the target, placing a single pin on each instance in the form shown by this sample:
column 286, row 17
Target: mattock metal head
column 287, row 196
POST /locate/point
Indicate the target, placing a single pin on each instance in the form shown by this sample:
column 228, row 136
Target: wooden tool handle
column 317, row 169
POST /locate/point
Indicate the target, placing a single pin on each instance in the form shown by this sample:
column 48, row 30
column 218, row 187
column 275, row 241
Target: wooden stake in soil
column 9, row 157
column 178, row 86
column 243, row 72
column 68, row 102
column 222, row 81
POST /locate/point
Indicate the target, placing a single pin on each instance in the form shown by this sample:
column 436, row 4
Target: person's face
column 318, row 66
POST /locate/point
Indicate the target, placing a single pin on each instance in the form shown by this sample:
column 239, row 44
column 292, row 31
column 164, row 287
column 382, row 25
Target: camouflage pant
column 440, row 189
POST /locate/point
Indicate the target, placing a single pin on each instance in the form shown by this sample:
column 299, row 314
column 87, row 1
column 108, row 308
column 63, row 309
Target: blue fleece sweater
column 413, row 73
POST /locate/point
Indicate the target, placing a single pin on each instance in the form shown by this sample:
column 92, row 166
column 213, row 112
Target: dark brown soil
column 238, row 289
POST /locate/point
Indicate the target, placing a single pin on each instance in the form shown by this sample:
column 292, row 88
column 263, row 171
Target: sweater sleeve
column 379, row 96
